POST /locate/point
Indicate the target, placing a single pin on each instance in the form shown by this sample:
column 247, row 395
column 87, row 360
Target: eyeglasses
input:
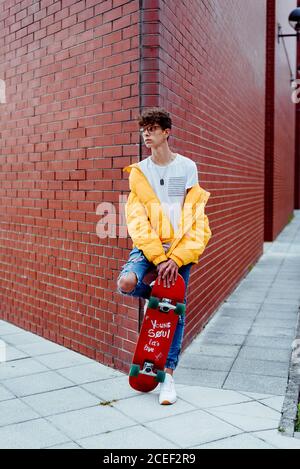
column 150, row 129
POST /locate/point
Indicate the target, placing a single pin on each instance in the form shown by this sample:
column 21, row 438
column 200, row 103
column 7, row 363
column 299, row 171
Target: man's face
column 154, row 135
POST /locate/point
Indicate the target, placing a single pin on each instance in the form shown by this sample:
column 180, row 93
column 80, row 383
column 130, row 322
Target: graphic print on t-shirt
column 176, row 186
column 179, row 175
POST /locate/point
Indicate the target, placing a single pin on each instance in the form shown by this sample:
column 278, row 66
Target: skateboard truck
column 165, row 305
column 148, row 370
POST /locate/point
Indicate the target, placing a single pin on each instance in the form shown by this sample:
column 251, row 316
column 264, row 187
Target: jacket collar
column 195, row 198
column 196, row 195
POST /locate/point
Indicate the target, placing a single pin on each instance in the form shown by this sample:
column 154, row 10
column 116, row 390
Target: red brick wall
column 76, row 78
column 297, row 145
column 71, row 70
column 280, row 121
column 212, row 79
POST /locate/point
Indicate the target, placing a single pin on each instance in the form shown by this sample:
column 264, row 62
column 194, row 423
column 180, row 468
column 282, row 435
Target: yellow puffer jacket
column 149, row 227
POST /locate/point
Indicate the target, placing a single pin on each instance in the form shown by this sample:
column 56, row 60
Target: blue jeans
column 140, row 265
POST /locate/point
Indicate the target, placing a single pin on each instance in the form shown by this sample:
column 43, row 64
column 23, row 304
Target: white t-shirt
column 178, row 176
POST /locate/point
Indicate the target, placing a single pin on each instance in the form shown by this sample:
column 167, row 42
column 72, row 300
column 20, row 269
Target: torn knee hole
column 126, row 283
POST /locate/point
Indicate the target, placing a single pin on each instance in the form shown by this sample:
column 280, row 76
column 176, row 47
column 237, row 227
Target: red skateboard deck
column 156, row 335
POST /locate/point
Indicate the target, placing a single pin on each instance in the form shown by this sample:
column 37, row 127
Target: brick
column 68, row 130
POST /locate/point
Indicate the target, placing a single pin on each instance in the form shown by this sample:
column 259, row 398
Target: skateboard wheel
column 160, row 376
column 134, row 370
column 180, row 309
column 153, row 302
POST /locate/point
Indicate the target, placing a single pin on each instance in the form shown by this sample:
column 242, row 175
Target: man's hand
column 167, row 272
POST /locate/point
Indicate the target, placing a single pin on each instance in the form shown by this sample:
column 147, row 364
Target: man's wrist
column 176, row 260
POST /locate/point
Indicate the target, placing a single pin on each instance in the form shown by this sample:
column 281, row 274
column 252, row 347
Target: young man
column 167, row 224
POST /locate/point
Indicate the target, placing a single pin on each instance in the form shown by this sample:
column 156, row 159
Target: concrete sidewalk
column 231, row 380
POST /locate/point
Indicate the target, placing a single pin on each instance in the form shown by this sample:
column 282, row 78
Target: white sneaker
column 167, row 394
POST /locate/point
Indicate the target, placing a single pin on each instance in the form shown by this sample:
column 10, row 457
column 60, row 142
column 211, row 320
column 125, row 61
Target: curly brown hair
column 155, row 115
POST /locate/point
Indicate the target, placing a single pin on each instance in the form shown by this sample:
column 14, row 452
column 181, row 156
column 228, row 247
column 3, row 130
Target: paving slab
column 249, row 416
column 34, row 434
column 214, row 379
column 137, row 437
column 15, row 411
column 90, row 372
column 92, row 421
column 268, row 354
column 144, row 408
column 244, row 441
column 67, row 445
column 23, row 367
column 260, row 367
column 12, row 353
column 213, row 350
column 61, row 400
column 41, row 382
column 275, row 402
column 38, row 348
column 204, row 362
column 256, row 383
column 205, row 398
column 273, row 437
column 64, row 359
column 5, row 394
column 192, row 428
column 231, row 381
column 111, row 389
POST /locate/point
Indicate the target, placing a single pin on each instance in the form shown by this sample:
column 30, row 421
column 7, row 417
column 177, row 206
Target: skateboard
column 156, row 335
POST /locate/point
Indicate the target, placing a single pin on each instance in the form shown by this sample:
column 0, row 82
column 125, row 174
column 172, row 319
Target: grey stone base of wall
column 290, row 405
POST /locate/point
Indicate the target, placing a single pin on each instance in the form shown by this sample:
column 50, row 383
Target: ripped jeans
column 140, row 265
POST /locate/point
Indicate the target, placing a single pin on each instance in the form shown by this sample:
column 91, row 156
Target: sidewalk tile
column 192, row 428
column 8, row 328
column 213, row 379
column 23, row 367
column 205, row 362
column 34, row 434
column 90, row 372
column 22, row 338
column 137, row 437
column 278, row 440
column 89, row 422
column 256, row 383
column 111, row 389
column 212, row 350
column 249, row 416
column 270, row 354
column 15, row 411
column 275, row 402
column 146, row 407
column 67, row 445
column 268, row 342
column 244, row 441
column 13, row 353
column 64, row 359
column 43, row 348
column 219, row 338
column 210, row 397
column 276, row 332
column 41, row 382
column 62, row 400
column 260, row 367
